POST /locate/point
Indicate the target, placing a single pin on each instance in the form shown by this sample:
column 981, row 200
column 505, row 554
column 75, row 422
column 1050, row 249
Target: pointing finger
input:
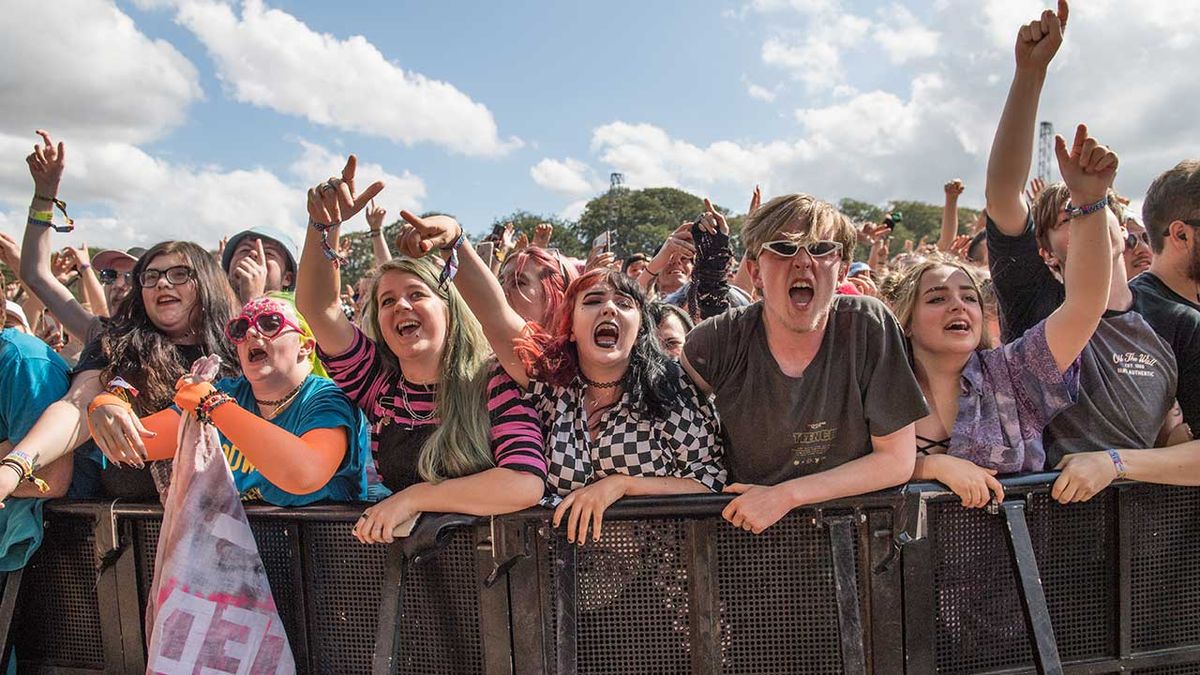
column 1064, row 11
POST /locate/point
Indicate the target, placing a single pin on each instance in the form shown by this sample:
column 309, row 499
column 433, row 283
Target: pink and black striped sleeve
column 518, row 442
column 358, row 371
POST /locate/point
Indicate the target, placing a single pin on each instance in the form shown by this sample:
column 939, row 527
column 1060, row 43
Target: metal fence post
column 845, row 578
column 387, row 634
column 1033, row 599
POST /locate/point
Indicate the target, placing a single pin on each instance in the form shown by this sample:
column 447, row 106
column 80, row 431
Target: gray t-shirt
column 776, row 427
column 1127, row 380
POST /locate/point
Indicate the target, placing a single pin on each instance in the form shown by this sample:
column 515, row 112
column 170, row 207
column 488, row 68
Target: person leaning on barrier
column 290, row 435
column 991, row 405
column 450, row 430
column 829, row 371
column 1127, row 372
column 620, row 417
column 151, row 341
column 32, row 377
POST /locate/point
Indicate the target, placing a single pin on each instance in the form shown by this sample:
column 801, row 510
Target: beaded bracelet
column 330, row 254
column 209, row 403
column 450, row 269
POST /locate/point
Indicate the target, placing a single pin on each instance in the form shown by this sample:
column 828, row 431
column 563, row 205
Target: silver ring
column 325, row 186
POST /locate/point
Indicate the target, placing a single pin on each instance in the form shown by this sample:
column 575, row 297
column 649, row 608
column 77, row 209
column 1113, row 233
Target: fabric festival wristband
column 450, row 269
column 1087, row 209
column 1116, row 459
column 44, row 216
column 330, row 254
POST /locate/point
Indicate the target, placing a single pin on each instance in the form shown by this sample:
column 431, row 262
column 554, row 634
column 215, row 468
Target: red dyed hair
column 553, row 272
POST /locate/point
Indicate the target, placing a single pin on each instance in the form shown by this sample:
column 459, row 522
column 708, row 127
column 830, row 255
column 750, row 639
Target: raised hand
column 63, row 267
column 418, row 236
column 46, row 164
column 375, row 216
column 337, row 200
column 1039, row 40
column 345, row 247
column 221, row 247
column 960, row 245
column 712, row 221
column 954, row 188
column 79, row 257
column 10, row 252
column 249, row 276
column 507, row 238
column 542, row 235
column 870, row 233
column 1035, row 188
column 599, row 259
column 755, row 200
column 522, row 242
column 1088, row 168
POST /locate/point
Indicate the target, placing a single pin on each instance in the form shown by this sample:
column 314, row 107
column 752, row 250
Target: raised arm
column 678, row 242
column 375, row 218
column 319, row 280
column 1088, row 170
column 1010, row 158
column 950, row 215
column 474, row 281
column 46, row 164
column 93, row 292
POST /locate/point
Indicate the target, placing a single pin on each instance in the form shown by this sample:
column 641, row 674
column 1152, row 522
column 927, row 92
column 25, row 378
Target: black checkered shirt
column 687, row 444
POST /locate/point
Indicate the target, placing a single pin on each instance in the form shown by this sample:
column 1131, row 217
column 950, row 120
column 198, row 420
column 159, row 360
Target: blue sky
column 198, row 118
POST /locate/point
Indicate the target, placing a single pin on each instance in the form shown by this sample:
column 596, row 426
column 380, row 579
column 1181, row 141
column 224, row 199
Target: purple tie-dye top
column 1009, row 395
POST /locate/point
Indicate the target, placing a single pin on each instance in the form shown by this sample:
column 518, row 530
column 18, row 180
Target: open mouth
column 801, row 293
column 408, row 328
column 256, row 355
column 958, row 326
column 164, row 300
column 606, row 334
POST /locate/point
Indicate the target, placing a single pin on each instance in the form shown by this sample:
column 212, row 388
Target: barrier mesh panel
column 1166, row 577
column 439, row 615
column 979, row 624
column 344, row 579
column 1180, row 669
column 632, row 599
column 777, row 600
column 60, row 582
column 273, row 547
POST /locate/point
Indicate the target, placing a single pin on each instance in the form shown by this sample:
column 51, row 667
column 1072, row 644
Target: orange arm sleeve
column 165, row 423
column 297, row 464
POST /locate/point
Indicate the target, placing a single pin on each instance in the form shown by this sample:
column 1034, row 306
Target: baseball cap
column 105, row 259
column 265, row 232
column 13, row 308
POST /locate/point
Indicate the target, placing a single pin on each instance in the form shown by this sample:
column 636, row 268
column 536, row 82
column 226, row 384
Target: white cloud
column 401, row 191
column 269, row 58
column 760, row 93
column 81, row 68
column 570, row 177
column 815, row 57
column 903, row 36
column 573, row 210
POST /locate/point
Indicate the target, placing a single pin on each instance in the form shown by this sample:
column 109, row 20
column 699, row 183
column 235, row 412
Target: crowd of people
column 1061, row 333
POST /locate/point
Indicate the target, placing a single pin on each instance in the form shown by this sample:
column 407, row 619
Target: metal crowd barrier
column 903, row 581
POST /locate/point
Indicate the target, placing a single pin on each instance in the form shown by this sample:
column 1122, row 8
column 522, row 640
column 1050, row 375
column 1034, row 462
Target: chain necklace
column 425, row 417
column 281, row 404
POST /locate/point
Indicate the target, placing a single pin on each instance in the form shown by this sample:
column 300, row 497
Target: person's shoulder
column 871, row 310
column 733, row 318
column 17, row 346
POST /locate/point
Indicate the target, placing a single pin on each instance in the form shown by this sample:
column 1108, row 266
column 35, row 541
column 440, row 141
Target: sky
column 199, row 118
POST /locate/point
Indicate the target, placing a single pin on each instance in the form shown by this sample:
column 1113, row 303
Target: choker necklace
column 600, row 385
column 283, row 400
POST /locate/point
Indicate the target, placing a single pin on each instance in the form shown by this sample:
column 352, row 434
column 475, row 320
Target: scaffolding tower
column 1045, row 151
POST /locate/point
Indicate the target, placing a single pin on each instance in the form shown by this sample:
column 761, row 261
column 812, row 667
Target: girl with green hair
column 450, row 429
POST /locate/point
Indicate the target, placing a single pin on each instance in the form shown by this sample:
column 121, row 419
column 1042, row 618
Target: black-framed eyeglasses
column 1131, row 240
column 176, row 276
column 109, row 276
column 787, row 248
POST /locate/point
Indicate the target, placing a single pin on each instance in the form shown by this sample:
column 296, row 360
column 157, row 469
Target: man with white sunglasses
column 814, row 389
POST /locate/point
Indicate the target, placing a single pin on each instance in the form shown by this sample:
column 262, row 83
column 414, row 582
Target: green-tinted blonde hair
column 461, row 443
column 289, row 298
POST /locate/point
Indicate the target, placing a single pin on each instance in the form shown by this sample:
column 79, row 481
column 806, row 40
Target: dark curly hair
column 652, row 379
column 141, row 354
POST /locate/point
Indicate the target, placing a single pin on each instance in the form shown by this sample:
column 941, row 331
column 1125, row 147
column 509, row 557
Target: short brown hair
column 809, row 212
column 1051, row 202
column 1174, row 195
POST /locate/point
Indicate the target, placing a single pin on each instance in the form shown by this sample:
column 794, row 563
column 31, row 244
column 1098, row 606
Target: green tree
column 641, row 220
column 524, row 222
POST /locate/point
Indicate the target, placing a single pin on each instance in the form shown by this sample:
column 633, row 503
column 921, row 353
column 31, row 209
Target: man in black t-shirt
column 1168, row 294
column 1128, row 372
column 815, row 392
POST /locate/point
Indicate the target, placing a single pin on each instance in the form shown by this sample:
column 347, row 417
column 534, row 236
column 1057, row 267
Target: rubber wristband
column 107, row 399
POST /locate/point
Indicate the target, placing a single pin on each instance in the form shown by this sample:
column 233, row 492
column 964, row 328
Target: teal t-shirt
column 32, row 376
column 320, row 404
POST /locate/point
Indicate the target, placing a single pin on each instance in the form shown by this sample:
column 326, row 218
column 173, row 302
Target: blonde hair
column 907, row 291
column 806, row 211
column 461, row 444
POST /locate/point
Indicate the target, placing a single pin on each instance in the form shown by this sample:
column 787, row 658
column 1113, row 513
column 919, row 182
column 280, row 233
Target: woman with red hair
column 620, row 417
column 534, row 281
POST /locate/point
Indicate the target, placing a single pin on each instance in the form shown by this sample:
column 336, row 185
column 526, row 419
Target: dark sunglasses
column 788, row 248
column 268, row 325
column 108, row 276
column 1131, row 240
column 176, row 276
